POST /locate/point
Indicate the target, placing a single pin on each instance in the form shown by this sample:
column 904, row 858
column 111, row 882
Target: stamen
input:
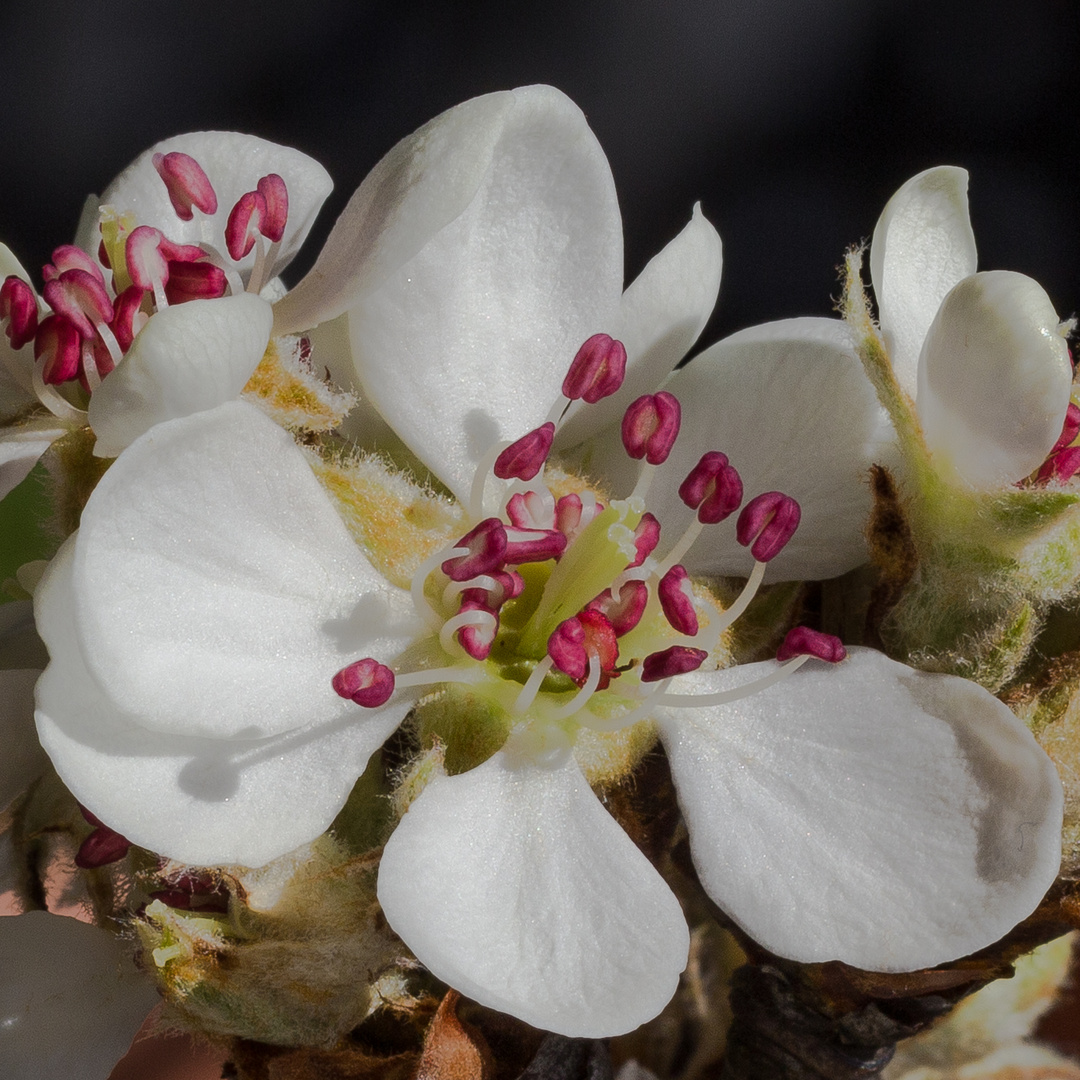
column 1060, row 467
column 196, row 281
column 676, row 660
column 676, row 600
column 533, row 545
column 81, row 297
column 69, row 257
column 802, row 641
column 102, row 846
column 473, row 617
column 1069, row 430
column 419, row 579
column 523, row 459
column 146, row 263
column 580, row 699
column 187, row 184
column 767, row 523
column 57, row 350
column 276, row 197
column 244, row 224
column 531, row 688
column 18, row 307
column 485, row 547
column 713, row 488
column 729, row 615
column 575, row 640
column 533, row 510
column 722, row 697
column 650, row 426
column 597, row 371
column 366, row 682
column 625, row 610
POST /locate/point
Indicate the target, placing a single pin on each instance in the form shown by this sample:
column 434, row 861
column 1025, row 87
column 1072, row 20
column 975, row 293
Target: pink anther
column 246, row 220
column 767, row 523
column 597, row 370
column 366, row 682
column 80, row 297
column 677, row 600
column 676, row 660
column 523, row 459
column 18, row 309
column 194, row 281
column 625, row 613
column 802, row 641
column 713, row 488
column 533, row 545
column 187, row 184
column 487, row 550
column 127, row 308
column 58, row 341
column 650, row 426
column 509, row 584
column 276, row 196
column 531, row 510
column 477, row 638
column 574, row 640
column 571, row 515
column 1069, row 430
column 146, row 262
column 646, row 537
column 102, row 846
column 70, row 257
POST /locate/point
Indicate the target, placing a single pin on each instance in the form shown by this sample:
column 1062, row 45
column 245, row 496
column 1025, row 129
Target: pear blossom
column 156, row 308
column 225, row 657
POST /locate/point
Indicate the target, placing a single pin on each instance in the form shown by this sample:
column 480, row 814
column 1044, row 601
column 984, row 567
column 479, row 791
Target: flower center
column 564, row 611
column 94, row 313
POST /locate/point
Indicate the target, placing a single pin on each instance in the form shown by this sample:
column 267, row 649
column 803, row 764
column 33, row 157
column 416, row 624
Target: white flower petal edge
column 216, row 590
column 23, row 759
column 21, row 447
column 206, row 801
column 77, row 1003
column 868, row 813
column 761, row 396
column 923, row 245
column 234, row 163
column 513, row 884
column 660, row 317
column 187, row 358
column 479, row 327
column 994, row 379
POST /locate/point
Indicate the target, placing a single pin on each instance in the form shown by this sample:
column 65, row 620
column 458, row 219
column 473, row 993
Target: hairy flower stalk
column 312, row 709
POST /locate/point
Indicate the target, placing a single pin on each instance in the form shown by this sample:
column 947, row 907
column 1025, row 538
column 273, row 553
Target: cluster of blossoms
column 259, row 595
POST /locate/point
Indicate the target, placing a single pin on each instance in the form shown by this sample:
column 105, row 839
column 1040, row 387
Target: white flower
column 142, row 357
column 212, row 618
column 76, row 1004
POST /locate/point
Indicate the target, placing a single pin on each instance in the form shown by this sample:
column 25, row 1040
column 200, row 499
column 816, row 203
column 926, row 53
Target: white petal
column 23, row 759
column 789, row 404
column 923, row 245
column 71, row 999
column 515, row 886
column 199, row 800
column 216, row 590
column 661, row 316
column 994, row 378
column 22, row 445
column 234, row 164
column 866, row 812
column 467, row 343
column 418, row 188
column 187, row 358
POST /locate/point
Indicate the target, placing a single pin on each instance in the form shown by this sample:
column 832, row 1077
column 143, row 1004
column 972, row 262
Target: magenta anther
column 802, row 641
column 59, row 342
column 650, row 426
column 81, row 297
column 276, row 196
column 487, row 550
column 533, row 545
column 573, row 640
column 676, row 600
column 187, row 184
column 597, row 370
column 523, row 459
column 625, row 613
column 366, row 682
column 70, row 257
column 646, row 537
column 194, row 281
column 477, row 638
column 1069, row 430
column 767, row 523
column 246, row 221
column 713, row 488
column 676, row 660
column 18, row 308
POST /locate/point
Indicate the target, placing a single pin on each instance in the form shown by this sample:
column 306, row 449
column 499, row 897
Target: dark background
column 791, row 120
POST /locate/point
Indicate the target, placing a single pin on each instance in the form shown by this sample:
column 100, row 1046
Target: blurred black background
column 791, row 120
